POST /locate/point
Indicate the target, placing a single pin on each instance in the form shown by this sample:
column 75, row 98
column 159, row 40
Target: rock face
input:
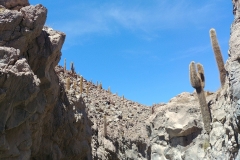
column 37, row 119
column 41, row 119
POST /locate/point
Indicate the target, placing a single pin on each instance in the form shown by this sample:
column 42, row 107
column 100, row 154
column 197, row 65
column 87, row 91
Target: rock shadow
column 184, row 140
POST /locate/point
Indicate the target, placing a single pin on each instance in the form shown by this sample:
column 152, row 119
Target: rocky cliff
column 37, row 120
column 44, row 114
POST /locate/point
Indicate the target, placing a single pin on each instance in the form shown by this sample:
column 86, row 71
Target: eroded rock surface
column 37, row 119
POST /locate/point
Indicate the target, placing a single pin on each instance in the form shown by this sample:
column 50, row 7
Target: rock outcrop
column 41, row 118
column 37, row 119
column 14, row 4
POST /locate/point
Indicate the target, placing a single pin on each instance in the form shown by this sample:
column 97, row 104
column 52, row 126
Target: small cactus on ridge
column 65, row 65
column 100, row 86
column 68, row 83
column 72, row 68
column 104, row 126
column 109, row 90
column 88, row 86
column 81, row 85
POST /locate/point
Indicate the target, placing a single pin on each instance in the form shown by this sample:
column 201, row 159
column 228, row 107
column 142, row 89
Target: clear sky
column 141, row 48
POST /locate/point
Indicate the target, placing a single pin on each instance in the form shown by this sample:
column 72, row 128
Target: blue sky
column 141, row 49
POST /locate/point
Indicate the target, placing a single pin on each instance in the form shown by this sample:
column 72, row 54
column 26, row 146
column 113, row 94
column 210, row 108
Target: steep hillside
column 125, row 135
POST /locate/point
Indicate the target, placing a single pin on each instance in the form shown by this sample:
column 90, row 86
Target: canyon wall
column 37, row 120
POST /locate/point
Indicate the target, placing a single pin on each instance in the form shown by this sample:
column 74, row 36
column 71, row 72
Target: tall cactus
column 68, row 83
column 152, row 109
column 218, row 55
column 109, row 90
column 100, row 86
column 88, row 87
column 105, row 126
column 196, row 82
column 72, row 67
column 65, row 65
column 74, row 85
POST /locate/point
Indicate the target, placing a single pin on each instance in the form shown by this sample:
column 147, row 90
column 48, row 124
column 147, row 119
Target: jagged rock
column 37, row 120
column 19, row 28
column 217, row 136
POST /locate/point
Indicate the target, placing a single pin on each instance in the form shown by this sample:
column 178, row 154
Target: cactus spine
column 218, row 56
column 81, row 85
column 196, row 82
column 68, row 83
